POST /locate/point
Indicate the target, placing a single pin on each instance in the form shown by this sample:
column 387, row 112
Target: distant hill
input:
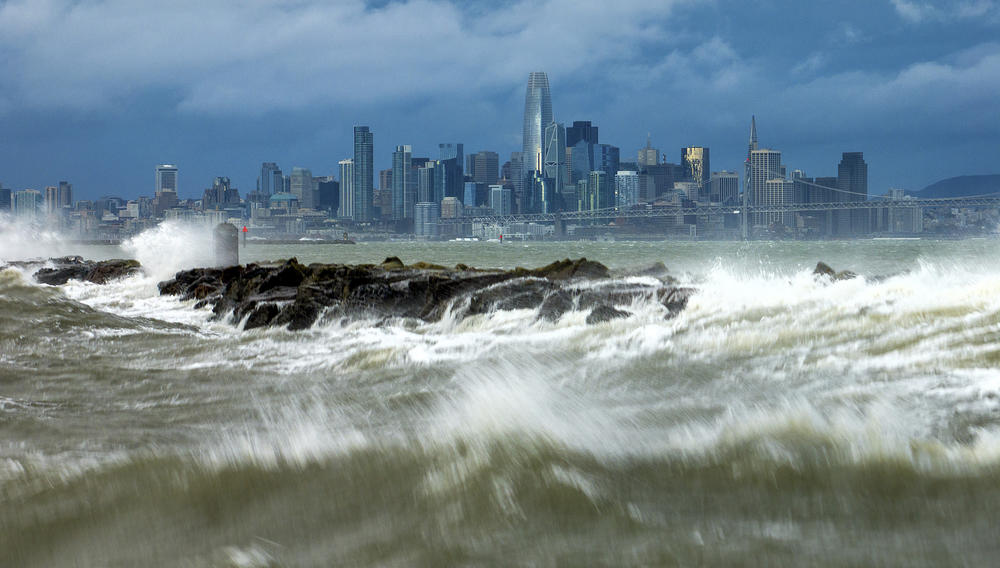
column 961, row 186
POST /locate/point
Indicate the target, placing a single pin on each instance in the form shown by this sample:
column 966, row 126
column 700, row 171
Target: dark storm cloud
column 237, row 57
column 221, row 85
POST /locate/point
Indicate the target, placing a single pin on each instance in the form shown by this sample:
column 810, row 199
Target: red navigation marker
column 244, row 228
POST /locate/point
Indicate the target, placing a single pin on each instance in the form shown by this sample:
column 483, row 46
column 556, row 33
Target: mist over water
column 779, row 419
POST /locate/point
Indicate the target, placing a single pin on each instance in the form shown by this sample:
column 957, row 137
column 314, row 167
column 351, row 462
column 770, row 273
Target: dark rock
column 290, row 274
column 108, row 270
column 823, row 269
column 555, row 305
column 290, row 294
column 604, row 312
column 61, row 275
column 261, row 316
column 566, row 268
column 75, row 268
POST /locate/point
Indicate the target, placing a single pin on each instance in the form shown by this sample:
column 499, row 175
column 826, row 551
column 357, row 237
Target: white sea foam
column 172, row 246
column 24, row 240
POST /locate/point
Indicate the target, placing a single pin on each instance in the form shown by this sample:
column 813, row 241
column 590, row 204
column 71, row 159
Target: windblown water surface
column 779, row 419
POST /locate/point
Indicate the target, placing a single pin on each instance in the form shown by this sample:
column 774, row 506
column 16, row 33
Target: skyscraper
column 4, row 198
column 537, row 116
column 403, row 184
column 697, row 166
column 27, row 203
column 270, row 180
column 607, row 158
column 765, row 165
column 554, row 166
column 65, row 195
column 346, row 209
column 852, row 177
column 450, row 176
column 51, row 199
column 745, row 222
column 425, row 219
column 166, row 178
column 364, row 174
column 626, row 188
column 425, row 183
column 724, row 187
column 581, row 130
column 517, row 171
column 501, row 200
column 598, row 192
column 301, row 186
column 485, row 167
column 852, row 181
column 648, row 156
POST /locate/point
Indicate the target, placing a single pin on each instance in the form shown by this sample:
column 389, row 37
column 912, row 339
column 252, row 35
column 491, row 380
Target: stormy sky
column 99, row 92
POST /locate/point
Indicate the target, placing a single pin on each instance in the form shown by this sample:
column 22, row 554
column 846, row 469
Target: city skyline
column 909, row 84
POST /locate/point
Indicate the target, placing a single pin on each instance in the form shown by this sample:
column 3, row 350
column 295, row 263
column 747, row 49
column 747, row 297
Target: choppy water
column 778, row 420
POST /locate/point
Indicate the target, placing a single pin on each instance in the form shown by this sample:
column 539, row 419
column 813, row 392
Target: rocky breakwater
column 291, row 294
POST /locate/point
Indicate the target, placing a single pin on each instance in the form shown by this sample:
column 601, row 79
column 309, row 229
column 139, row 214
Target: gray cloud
column 236, row 57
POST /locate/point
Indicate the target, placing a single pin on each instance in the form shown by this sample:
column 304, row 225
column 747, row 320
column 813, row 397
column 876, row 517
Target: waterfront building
column 451, row 208
column 425, row 219
column 346, row 209
column 5, row 198
column 364, row 174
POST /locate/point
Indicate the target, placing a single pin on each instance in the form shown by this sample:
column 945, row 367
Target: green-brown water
column 778, row 420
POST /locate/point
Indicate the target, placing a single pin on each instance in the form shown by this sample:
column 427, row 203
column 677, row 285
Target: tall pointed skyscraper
column 537, row 116
column 744, row 222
